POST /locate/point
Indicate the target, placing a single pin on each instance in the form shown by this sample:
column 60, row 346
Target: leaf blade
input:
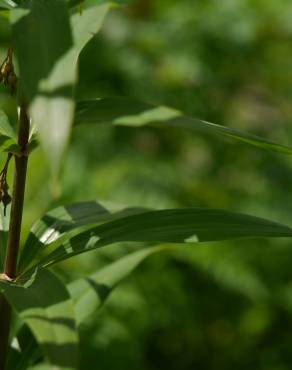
column 56, row 223
column 43, row 29
column 133, row 113
column 42, row 39
column 91, row 292
column 48, row 313
column 8, row 141
column 189, row 225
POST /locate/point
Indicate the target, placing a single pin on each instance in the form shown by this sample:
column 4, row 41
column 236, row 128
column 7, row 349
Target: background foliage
column 226, row 62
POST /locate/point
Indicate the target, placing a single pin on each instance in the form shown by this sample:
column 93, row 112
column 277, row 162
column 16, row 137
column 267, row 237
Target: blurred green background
column 215, row 305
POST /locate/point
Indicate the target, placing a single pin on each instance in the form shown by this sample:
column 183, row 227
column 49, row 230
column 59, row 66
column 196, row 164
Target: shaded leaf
column 189, row 225
column 27, row 352
column 130, row 112
column 227, row 267
column 44, row 304
column 13, row 359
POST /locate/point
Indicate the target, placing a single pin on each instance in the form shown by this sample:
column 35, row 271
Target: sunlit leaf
column 48, row 52
column 44, row 366
column 189, row 225
column 7, row 4
column 56, row 225
column 43, row 303
column 5, row 127
column 86, row 25
column 42, row 40
column 7, row 135
column 91, row 292
column 129, row 112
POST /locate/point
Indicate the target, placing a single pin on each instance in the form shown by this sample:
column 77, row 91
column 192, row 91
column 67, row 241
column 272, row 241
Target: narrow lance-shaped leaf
column 42, row 39
column 7, row 4
column 130, row 112
column 43, row 303
column 172, row 226
column 91, row 292
column 58, row 223
column 48, row 52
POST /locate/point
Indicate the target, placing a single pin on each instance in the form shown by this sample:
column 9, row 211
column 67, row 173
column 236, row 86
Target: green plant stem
column 14, row 228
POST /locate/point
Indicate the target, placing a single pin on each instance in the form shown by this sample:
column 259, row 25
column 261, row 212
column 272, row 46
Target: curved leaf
column 8, row 140
column 91, row 292
column 7, row 4
column 44, row 304
column 130, row 112
column 86, row 25
column 188, row 225
column 5, row 127
column 42, row 39
column 48, row 52
column 57, row 224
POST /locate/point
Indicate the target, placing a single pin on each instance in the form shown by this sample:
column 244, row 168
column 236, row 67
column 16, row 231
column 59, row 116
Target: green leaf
column 91, row 292
column 7, row 4
column 48, row 52
column 82, row 4
column 44, row 367
column 57, row 224
column 189, row 225
column 73, row 3
column 43, row 40
column 86, row 25
column 227, row 267
column 7, row 135
column 5, row 127
column 130, row 112
column 43, row 303
column 13, row 359
column 27, row 351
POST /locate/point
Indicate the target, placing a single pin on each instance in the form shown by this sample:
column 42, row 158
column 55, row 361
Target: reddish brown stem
column 14, row 229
